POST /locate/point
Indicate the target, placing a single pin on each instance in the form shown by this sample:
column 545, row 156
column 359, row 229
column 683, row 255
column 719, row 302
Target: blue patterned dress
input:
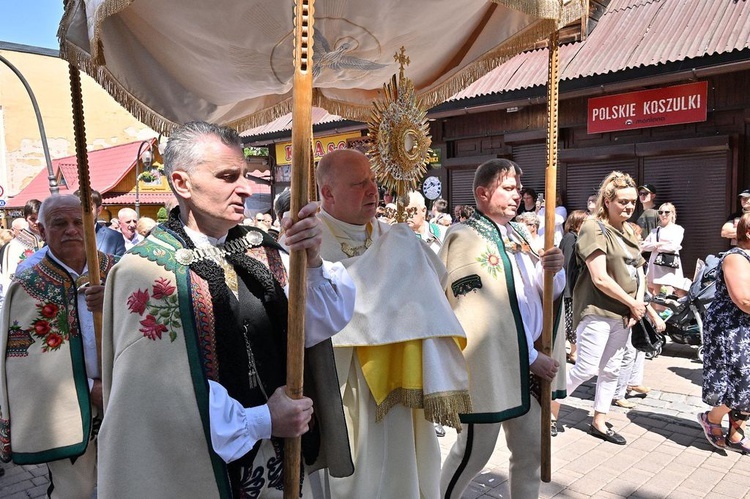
column 726, row 336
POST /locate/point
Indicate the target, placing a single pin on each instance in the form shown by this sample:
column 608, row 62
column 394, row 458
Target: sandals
column 743, row 446
column 639, row 389
column 719, row 441
column 625, row 404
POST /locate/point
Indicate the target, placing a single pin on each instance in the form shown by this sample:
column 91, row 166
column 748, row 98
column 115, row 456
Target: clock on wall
column 432, row 188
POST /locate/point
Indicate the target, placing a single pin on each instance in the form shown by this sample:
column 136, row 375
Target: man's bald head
column 347, row 186
column 332, row 163
column 128, row 220
column 18, row 225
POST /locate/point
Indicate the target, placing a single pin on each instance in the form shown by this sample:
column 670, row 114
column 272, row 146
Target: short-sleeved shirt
column 648, row 221
column 623, row 257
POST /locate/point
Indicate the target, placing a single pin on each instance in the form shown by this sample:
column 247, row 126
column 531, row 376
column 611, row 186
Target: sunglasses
column 643, row 194
column 663, row 212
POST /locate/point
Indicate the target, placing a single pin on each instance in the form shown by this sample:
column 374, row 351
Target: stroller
column 685, row 321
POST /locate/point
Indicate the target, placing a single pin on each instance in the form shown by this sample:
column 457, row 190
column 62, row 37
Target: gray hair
column 52, row 203
column 185, row 147
column 282, row 203
column 416, row 199
column 528, row 217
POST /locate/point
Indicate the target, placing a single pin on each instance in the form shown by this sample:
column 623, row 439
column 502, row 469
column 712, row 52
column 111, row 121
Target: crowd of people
column 409, row 327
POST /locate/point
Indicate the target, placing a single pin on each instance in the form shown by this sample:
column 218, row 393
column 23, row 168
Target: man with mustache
column 48, row 360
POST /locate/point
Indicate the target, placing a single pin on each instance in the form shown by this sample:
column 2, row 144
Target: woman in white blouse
column 667, row 238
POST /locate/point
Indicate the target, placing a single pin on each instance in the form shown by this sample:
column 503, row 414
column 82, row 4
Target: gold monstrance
column 400, row 136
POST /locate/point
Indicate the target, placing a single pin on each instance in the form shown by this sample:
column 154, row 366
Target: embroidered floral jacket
column 158, row 353
column 45, row 409
column 481, row 290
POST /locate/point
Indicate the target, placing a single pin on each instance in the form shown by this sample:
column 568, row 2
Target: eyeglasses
column 663, row 212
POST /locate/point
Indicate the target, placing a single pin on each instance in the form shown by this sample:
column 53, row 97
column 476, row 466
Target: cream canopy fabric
column 230, row 61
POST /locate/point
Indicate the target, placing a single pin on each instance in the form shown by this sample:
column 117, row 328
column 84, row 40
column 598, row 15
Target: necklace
column 185, row 256
column 351, row 251
column 347, row 248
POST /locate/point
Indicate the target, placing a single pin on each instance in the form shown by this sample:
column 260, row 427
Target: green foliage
column 255, row 151
column 162, row 215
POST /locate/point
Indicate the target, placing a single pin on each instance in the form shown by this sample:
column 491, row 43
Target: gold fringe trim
column 105, row 10
column 444, row 408
column 441, row 407
column 92, row 64
column 64, row 25
column 412, row 398
column 541, row 9
column 76, row 56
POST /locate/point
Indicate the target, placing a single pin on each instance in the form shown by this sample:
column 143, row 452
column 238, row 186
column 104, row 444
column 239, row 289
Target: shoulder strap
column 657, row 234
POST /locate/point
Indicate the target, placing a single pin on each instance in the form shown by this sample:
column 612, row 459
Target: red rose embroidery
column 54, row 340
column 41, row 327
column 137, row 301
column 162, row 288
column 49, row 310
column 151, row 329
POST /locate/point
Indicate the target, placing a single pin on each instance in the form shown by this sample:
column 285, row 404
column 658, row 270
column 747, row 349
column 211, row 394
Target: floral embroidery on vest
column 160, row 317
column 50, row 326
column 491, row 262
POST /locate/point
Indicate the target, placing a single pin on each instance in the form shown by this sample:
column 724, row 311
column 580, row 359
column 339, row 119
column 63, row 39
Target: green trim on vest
column 489, row 231
column 160, row 256
column 78, row 364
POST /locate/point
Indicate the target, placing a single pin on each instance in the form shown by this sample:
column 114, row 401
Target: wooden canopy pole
column 550, row 197
column 84, row 189
column 301, row 159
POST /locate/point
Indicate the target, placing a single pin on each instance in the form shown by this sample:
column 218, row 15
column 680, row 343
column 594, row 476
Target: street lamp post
column 53, row 187
column 147, row 160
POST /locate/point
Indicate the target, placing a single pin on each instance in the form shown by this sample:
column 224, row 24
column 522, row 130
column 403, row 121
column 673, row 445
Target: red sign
column 648, row 108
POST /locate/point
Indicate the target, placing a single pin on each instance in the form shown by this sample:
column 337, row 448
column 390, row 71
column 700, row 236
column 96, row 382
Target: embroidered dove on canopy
column 230, row 61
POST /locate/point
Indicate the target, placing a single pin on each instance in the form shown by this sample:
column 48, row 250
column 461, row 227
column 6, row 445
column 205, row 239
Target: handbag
column 671, row 260
column 644, row 337
column 667, row 260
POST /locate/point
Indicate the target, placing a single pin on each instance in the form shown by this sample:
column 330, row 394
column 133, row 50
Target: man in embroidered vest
column 26, row 242
column 107, row 240
column 398, row 360
column 50, row 368
column 495, row 281
column 195, row 342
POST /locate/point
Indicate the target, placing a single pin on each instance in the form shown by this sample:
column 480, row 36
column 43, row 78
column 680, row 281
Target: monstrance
column 400, row 136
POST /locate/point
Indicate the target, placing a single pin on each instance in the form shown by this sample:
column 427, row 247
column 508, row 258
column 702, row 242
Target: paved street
column 666, row 455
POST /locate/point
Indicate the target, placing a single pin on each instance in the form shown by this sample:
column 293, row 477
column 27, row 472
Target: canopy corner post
column 550, row 196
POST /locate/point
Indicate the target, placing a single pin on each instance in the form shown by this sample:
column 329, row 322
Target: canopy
column 230, row 61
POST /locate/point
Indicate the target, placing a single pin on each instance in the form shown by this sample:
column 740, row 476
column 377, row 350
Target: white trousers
column 474, row 447
column 601, row 345
column 74, row 480
column 631, row 371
